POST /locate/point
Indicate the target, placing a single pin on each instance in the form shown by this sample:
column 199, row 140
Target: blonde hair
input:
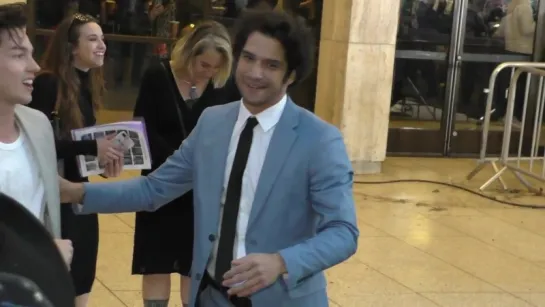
column 208, row 34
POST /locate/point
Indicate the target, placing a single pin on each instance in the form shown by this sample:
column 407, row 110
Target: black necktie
column 232, row 201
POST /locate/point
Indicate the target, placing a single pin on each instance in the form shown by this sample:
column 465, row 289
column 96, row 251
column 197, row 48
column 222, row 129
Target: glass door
column 422, row 73
column 489, row 32
column 445, row 54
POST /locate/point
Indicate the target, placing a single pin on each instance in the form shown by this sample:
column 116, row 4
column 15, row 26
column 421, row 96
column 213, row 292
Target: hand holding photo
column 130, row 136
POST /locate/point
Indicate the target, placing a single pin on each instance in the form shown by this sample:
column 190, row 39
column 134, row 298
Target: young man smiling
column 272, row 183
column 28, row 163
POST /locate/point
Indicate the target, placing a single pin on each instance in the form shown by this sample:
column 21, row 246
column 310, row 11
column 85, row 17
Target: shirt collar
column 268, row 118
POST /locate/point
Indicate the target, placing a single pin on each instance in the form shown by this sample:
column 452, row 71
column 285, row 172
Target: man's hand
column 107, row 149
column 70, row 192
column 66, row 249
column 255, row 272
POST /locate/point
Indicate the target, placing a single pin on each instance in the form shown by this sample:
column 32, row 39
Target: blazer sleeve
column 331, row 196
column 44, row 97
column 146, row 193
column 146, row 108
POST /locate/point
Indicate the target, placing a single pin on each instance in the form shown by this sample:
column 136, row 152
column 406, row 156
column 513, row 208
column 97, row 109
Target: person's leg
column 154, row 255
column 148, row 256
column 500, row 92
column 88, row 263
column 399, row 77
column 83, row 231
column 156, row 290
column 82, row 300
column 185, row 288
column 183, row 227
column 519, row 96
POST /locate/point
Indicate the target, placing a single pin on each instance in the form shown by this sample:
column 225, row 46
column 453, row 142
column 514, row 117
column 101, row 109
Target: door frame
column 421, row 141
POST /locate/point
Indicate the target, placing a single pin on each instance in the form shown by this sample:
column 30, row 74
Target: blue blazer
column 303, row 207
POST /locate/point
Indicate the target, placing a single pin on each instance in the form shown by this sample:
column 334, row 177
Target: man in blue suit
column 272, row 182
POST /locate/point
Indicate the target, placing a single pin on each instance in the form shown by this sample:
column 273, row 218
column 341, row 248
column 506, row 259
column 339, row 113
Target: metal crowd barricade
column 520, row 165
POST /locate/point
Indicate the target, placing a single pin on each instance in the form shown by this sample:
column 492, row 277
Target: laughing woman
column 69, row 90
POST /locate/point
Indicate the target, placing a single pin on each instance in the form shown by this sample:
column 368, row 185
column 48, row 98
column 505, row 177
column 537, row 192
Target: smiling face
column 261, row 71
column 17, row 67
column 90, row 50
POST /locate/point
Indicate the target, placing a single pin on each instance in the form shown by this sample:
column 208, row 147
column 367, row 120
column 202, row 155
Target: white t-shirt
column 19, row 175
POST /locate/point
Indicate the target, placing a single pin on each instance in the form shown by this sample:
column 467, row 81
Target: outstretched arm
column 169, row 181
column 331, row 195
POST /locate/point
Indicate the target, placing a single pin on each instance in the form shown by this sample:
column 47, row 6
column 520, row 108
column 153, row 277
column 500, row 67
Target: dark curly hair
column 292, row 33
column 12, row 18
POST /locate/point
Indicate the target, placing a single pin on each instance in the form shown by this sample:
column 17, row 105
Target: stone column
column 355, row 72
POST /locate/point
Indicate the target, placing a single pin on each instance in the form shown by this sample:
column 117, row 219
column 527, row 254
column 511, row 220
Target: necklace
column 192, row 91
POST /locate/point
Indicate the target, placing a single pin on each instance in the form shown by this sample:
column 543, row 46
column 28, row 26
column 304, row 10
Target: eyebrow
column 21, row 48
column 247, row 52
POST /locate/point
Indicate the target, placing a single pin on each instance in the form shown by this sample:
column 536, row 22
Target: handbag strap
column 175, row 100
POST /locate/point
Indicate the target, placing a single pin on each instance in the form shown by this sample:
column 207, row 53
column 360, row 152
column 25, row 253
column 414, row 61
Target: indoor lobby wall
column 355, row 72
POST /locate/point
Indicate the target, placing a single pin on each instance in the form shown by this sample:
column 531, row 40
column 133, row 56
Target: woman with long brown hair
column 69, row 90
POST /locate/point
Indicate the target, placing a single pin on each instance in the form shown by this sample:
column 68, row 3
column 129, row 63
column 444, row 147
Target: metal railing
column 521, row 165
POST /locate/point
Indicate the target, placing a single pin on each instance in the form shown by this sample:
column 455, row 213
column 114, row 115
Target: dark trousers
column 208, row 281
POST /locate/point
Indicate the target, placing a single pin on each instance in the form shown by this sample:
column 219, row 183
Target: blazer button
column 198, row 276
column 212, row 238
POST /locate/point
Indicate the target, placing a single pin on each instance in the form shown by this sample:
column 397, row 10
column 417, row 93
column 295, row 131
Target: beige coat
column 39, row 133
column 518, row 27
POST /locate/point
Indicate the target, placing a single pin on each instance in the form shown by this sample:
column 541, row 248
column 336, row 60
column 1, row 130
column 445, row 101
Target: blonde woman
column 172, row 96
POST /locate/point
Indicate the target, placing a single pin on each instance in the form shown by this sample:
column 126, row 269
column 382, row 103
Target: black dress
column 163, row 240
column 82, row 230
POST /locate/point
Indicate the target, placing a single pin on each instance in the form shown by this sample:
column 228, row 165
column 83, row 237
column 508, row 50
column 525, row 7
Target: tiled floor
column 421, row 245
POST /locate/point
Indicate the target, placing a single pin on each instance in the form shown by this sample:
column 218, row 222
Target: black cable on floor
column 450, row 185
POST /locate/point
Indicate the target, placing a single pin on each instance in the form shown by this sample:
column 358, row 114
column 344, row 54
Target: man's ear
column 291, row 78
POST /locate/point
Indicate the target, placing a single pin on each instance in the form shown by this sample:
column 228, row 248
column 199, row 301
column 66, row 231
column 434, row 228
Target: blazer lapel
column 216, row 150
column 281, row 143
column 34, row 136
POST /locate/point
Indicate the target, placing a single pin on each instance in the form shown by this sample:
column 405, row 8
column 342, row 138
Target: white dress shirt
column 263, row 132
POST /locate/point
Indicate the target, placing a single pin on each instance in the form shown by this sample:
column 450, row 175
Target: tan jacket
column 38, row 131
column 518, row 28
